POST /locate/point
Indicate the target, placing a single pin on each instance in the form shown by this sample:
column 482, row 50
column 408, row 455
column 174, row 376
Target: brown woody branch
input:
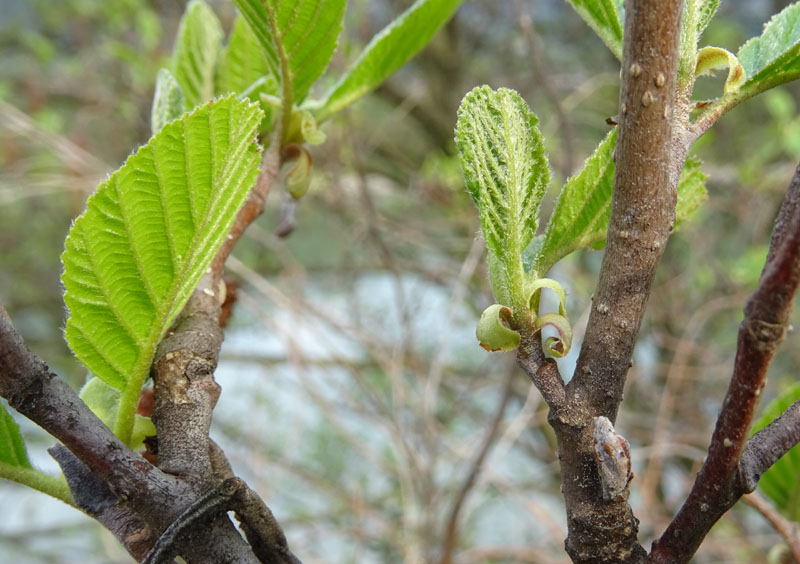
column 642, row 216
column 734, row 464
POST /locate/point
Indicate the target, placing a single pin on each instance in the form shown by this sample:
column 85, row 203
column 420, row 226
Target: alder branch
column 183, row 367
column 734, row 465
column 145, row 494
column 642, row 216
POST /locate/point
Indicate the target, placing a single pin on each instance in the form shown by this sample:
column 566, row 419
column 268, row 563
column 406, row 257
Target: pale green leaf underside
column 389, row 50
column 504, row 164
column 583, row 210
column 781, row 482
column 12, row 447
column 196, row 50
column 774, row 57
column 309, row 31
column 168, row 102
column 604, row 18
column 242, row 62
column 149, row 232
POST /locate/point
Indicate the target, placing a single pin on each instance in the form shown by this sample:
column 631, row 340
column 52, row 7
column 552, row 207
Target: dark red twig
column 731, row 469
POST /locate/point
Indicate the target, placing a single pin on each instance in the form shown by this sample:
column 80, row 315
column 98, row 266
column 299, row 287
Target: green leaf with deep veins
column 196, row 50
column 581, row 215
column 774, row 57
column 133, row 258
column 389, row 50
column 506, row 172
column 308, row 30
column 604, row 18
column 168, row 101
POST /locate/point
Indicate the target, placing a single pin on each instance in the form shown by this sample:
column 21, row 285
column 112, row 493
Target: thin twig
column 789, row 530
column 731, row 470
column 451, row 529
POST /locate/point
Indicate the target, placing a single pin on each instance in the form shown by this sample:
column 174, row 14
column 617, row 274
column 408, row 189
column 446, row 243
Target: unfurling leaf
column 133, row 258
column 506, row 172
column 493, row 332
column 389, row 50
column 168, row 102
column 196, row 50
column 711, row 58
column 556, row 346
column 298, row 177
column 535, row 291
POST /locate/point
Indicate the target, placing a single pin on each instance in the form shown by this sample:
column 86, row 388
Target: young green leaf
column 308, row 31
column 581, row 215
column 705, row 10
column 604, row 18
column 168, row 102
column 242, row 62
column 711, row 58
column 103, row 400
column 774, row 57
column 12, row 447
column 134, row 256
column 780, row 482
column 695, row 18
column 506, row 172
column 691, row 190
column 493, row 331
column 196, row 50
column 389, row 50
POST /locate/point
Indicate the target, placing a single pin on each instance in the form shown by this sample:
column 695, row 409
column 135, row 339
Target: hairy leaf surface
column 12, row 447
column 389, row 50
column 134, row 256
column 504, row 164
column 168, row 101
column 780, row 482
column 308, row 30
column 583, row 210
column 774, row 57
column 196, row 50
column 580, row 217
column 604, row 18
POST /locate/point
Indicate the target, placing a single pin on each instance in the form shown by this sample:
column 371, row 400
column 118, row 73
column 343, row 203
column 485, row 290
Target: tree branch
column 730, row 470
column 451, row 530
column 642, row 216
column 184, row 365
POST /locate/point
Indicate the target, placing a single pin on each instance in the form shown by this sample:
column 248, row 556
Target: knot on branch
column 766, row 336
